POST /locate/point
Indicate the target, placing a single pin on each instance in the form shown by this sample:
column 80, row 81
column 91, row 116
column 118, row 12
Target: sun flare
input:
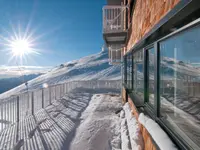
column 20, row 44
column 20, row 47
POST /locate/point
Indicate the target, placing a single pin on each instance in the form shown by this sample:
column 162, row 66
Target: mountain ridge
column 92, row 67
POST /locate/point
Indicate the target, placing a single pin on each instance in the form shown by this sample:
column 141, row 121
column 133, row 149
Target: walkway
column 57, row 125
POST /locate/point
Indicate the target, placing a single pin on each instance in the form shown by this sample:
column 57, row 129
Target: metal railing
column 17, row 107
column 114, row 18
column 115, row 54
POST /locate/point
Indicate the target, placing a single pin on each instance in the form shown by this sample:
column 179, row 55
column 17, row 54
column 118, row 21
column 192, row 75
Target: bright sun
column 20, row 47
column 20, row 44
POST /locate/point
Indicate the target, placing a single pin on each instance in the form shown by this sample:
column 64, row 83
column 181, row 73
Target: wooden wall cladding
column 147, row 13
column 148, row 143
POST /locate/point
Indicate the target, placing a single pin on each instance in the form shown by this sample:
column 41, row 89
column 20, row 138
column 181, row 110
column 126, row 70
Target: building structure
column 158, row 42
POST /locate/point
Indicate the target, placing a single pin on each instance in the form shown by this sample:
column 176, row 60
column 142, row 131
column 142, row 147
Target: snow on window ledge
column 159, row 136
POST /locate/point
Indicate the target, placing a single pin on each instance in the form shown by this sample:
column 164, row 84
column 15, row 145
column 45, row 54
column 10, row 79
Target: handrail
column 114, row 6
column 114, row 18
column 115, row 55
column 17, row 107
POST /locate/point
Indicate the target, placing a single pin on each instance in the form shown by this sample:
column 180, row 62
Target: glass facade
column 138, row 74
column 125, row 70
column 172, row 72
column 129, row 72
column 180, row 83
column 151, row 70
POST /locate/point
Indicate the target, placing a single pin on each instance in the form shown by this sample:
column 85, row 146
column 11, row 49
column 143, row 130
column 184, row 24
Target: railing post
column 63, row 89
column 1, row 117
column 60, row 91
column 17, row 108
column 32, row 103
column 9, row 110
column 50, row 95
column 42, row 98
column 55, row 92
column 28, row 103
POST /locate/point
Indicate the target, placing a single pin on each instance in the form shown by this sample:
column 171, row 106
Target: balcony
column 115, row 54
column 114, row 24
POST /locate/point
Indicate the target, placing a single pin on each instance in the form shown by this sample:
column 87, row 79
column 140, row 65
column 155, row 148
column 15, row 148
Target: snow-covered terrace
column 82, row 117
column 88, row 116
column 79, row 120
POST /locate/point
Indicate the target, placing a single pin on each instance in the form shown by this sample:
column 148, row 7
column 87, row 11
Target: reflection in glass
column 138, row 75
column 180, row 84
column 151, row 75
column 123, row 71
column 129, row 71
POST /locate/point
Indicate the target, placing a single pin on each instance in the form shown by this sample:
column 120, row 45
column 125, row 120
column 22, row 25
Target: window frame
column 129, row 72
column 125, row 70
column 146, row 76
column 138, row 101
column 184, row 144
column 155, row 111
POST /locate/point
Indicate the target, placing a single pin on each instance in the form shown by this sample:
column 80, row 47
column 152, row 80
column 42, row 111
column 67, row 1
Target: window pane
column 151, row 75
column 180, row 84
column 138, row 76
column 123, row 73
column 129, row 71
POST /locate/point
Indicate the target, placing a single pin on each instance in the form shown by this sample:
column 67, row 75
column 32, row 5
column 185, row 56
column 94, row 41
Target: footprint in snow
column 45, row 130
column 19, row 144
column 32, row 132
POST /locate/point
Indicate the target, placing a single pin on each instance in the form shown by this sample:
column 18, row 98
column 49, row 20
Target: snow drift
column 130, row 130
column 160, row 137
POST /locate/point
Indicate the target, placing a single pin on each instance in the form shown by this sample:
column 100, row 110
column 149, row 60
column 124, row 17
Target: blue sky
column 68, row 29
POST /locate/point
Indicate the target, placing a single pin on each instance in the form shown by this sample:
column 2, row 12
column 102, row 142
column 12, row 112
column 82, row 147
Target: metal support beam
column 157, row 79
column 146, row 75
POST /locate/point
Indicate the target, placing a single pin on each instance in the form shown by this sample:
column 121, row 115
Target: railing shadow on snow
column 58, row 120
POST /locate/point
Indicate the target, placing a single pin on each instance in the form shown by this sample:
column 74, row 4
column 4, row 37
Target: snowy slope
column 93, row 67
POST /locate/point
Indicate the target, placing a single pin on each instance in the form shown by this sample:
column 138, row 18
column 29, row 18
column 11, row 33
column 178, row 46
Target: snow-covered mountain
column 9, row 83
column 93, row 67
column 17, row 71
